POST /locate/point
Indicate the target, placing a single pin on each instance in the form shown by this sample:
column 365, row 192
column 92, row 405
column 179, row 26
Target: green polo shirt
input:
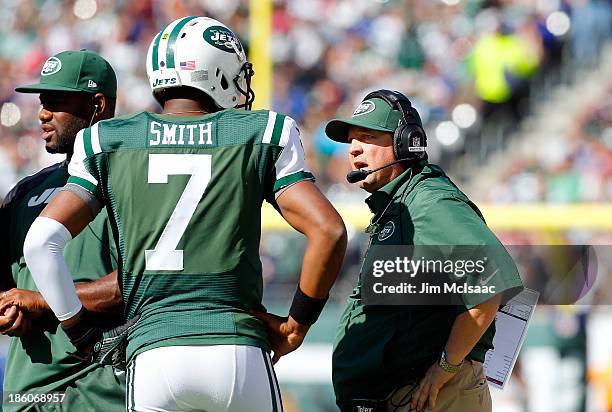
column 377, row 348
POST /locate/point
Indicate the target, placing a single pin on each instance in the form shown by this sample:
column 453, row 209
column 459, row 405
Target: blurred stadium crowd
column 512, row 93
column 470, row 67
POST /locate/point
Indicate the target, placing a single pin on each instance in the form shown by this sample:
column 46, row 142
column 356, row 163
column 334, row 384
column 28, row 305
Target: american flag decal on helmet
column 188, row 65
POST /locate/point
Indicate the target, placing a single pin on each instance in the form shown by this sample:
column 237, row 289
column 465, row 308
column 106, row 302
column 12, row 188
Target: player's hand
column 14, row 322
column 427, row 391
column 27, row 300
column 285, row 334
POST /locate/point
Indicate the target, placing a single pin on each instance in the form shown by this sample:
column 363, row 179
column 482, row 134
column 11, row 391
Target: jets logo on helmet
column 204, row 54
column 223, row 39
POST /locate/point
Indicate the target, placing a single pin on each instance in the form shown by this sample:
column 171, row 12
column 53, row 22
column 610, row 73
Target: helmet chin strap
column 247, row 68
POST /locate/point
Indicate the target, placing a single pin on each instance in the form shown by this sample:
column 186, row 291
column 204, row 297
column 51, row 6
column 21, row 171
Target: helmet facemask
column 249, row 93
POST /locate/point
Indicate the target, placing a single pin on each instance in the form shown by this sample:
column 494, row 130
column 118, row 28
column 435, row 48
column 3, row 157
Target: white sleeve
column 78, row 173
column 43, row 250
column 290, row 167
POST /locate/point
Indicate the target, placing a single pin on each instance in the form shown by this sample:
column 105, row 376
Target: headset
column 409, row 138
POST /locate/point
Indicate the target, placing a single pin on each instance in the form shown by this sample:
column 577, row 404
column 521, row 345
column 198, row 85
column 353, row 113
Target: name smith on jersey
column 200, row 134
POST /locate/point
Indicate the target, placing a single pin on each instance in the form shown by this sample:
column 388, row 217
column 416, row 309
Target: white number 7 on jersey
column 199, row 166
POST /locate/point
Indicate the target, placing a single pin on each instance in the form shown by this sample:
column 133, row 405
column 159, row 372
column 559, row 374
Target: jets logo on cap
column 365, row 107
column 52, row 65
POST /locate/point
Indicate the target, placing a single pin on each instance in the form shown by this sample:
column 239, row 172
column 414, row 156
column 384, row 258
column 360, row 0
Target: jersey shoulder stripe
column 79, row 174
column 87, row 142
column 95, row 139
column 286, row 130
column 274, row 127
column 28, row 183
column 277, row 131
column 91, row 140
column 267, row 137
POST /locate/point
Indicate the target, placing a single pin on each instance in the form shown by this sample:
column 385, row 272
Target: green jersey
column 39, row 362
column 184, row 195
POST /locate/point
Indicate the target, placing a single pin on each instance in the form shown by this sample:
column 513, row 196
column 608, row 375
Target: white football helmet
column 202, row 53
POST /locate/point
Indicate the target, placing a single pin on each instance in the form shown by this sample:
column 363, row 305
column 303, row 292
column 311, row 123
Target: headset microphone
column 359, row 175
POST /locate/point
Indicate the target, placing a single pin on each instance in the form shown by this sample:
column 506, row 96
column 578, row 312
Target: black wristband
column 304, row 309
column 83, row 333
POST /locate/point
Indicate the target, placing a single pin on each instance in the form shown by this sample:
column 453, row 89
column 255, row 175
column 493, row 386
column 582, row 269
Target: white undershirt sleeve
column 43, row 251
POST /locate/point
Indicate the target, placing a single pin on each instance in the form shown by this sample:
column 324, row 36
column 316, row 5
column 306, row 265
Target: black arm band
column 304, row 309
column 83, row 333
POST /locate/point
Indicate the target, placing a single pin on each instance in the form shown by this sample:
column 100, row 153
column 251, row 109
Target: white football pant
column 219, row 378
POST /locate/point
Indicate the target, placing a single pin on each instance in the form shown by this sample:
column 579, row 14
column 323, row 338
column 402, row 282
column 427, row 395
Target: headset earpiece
column 95, row 111
column 409, row 139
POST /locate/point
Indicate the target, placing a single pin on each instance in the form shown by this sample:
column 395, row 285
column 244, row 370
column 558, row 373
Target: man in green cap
column 420, row 353
column 77, row 89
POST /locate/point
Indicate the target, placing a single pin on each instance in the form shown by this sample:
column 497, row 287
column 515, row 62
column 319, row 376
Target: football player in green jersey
column 184, row 191
column 77, row 88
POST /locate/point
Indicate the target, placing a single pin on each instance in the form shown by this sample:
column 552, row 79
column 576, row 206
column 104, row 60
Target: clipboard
column 511, row 323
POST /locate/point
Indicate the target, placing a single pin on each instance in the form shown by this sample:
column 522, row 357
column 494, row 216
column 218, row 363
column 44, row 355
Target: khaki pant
column 465, row 392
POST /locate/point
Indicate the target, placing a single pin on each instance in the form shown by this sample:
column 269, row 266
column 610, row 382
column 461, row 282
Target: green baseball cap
column 75, row 71
column 375, row 114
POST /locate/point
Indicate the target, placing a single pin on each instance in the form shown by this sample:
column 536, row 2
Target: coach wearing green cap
column 77, row 89
column 75, row 71
column 422, row 355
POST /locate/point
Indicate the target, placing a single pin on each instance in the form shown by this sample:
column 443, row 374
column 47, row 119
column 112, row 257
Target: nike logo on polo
column 44, row 197
column 488, row 278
